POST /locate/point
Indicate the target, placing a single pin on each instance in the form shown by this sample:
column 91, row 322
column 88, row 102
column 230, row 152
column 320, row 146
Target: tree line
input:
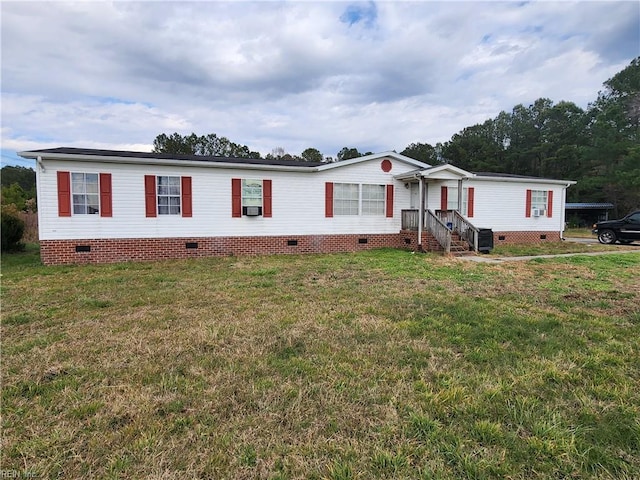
column 18, row 187
column 598, row 147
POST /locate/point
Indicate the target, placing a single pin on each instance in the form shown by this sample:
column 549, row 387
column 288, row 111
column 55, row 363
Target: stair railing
column 466, row 230
column 439, row 230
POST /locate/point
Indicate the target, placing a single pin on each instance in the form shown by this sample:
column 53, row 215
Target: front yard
column 381, row 364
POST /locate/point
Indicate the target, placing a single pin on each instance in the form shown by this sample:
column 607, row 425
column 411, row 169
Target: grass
column 580, row 233
column 381, row 364
column 552, row 248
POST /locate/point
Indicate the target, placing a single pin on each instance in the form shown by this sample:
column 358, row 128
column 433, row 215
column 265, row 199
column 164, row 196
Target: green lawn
column 382, row 364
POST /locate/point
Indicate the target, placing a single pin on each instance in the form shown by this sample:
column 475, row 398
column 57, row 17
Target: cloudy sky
column 372, row 75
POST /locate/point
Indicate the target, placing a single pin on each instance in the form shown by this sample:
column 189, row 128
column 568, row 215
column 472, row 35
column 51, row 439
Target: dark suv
column 625, row 230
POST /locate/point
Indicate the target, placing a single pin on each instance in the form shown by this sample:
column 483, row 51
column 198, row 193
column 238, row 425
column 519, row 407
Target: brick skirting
column 409, row 239
column 61, row 252
column 507, row 238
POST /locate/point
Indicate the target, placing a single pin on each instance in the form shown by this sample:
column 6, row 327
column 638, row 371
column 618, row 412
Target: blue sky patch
column 365, row 13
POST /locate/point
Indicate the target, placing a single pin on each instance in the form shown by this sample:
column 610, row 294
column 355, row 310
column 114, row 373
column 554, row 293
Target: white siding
column 501, row 205
column 298, row 202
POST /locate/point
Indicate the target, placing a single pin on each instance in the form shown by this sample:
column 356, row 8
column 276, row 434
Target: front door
column 415, row 196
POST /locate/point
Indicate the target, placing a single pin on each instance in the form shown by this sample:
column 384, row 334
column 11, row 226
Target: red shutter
column 470, row 201
column 187, row 203
column 105, row 195
column 444, row 193
column 236, row 197
column 328, row 199
column 389, row 201
column 150, row 195
column 266, row 198
column 527, row 212
column 64, row 194
column 550, row 203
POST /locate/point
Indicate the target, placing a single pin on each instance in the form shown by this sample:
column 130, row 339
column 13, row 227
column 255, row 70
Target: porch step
column 460, row 248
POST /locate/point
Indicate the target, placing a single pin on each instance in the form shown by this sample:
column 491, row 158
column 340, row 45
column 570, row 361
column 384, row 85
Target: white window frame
column 539, row 200
column 352, row 199
column 373, row 199
column 452, row 200
column 252, row 193
column 84, row 200
column 346, row 199
column 169, row 194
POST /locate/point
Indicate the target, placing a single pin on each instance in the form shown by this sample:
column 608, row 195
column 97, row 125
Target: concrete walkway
column 489, row 259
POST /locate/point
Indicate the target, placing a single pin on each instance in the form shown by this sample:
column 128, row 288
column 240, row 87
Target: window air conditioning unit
column 535, row 212
column 253, row 211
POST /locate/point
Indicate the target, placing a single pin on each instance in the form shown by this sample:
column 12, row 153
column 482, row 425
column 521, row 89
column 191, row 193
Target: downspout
column 563, row 212
column 39, row 171
column 420, row 213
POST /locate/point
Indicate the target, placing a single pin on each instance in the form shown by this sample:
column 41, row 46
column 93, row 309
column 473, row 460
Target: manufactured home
column 99, row 206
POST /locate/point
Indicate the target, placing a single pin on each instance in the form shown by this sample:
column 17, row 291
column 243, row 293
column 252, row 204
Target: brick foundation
column 409, row 239
column 509, row 238
column 62, row 252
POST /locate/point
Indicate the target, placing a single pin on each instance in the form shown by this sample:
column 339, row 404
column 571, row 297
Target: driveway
column 594, row 241
column 586, row 241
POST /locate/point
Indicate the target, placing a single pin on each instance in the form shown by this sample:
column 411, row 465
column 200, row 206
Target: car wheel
column 607, row 237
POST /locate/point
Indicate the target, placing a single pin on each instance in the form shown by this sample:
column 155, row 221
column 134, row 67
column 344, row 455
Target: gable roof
column 123, row 156
column 440, row 172
column 375, row 156
column 449, row 172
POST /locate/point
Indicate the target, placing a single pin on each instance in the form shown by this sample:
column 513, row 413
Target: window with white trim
column 539, row 201
column 346, row 198
column 452, row 200
column 85, row 193
column 168, row 195
column 251, row 193
column 373, row 199
column 355, row 199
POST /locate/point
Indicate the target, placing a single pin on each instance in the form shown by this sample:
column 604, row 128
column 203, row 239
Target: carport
column 587, row 213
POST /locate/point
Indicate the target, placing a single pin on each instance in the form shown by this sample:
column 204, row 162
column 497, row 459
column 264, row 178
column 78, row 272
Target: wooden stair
column 459, row 247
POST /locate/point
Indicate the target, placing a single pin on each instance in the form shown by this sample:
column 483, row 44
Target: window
column 85, row 193
column 168, row 195
column 346, row 197
column 354, row 199
column 251, row 198
column 452, row 200
column 539, row 200
column 539, row 203
column 165, row 195
column 373, row 199
column 251, row 193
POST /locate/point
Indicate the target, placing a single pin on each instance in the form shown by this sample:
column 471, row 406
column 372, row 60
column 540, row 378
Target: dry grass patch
column 376, row 365
column 554, row 248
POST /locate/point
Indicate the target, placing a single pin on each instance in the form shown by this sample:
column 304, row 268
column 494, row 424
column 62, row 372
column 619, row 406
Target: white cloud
column 295, row 74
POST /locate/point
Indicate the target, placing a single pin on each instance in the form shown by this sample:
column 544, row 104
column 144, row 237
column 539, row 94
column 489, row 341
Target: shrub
column 12, row 229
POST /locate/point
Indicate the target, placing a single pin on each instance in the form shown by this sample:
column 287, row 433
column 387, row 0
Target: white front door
column 415, row 196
